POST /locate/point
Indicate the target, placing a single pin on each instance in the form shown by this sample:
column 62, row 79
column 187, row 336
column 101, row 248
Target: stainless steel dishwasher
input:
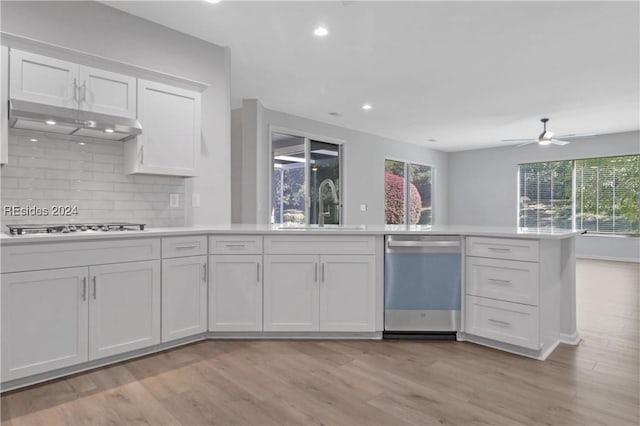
column 422, row 286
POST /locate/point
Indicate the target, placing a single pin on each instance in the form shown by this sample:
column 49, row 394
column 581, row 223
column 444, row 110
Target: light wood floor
column 368, row 382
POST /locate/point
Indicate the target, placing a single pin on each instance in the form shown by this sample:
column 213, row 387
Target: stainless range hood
column 71, row 122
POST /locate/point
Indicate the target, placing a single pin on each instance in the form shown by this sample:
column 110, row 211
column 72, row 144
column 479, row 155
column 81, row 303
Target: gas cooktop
column 66, row 228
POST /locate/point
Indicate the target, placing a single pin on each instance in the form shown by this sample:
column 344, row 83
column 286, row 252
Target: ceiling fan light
column 545, row 136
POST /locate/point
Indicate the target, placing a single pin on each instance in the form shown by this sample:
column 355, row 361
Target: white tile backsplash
column 57, row 171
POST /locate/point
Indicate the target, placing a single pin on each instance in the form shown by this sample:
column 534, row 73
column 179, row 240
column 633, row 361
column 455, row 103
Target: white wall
column 364, row 156
column 484, row 186
column 96, row 29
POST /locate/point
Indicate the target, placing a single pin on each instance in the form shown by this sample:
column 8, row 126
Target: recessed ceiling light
column 366, row 107
column 108, row 130
column 213, row 1
column 432, row 140
column 321, row 32
column 50, row 123
column 33, row 140
column 81, row 143
column 335, row 114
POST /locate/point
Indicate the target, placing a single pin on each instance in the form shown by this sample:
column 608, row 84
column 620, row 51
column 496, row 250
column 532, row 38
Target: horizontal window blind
column 600, row 195
column 607, row 194
column 545, row 195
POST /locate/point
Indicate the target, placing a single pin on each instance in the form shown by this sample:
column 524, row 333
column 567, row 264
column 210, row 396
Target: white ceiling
column 465, row 73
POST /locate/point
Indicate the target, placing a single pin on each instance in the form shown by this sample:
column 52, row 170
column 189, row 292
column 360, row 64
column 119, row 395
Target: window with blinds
column 546, row 195
column 600, row 195
column 607, row 194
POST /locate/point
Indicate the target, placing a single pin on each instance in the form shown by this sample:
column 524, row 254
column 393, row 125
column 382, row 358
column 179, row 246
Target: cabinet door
column 124, row 307
column 4, row 104
column 107, row 92
column 291, row 293
column 347, row 293
column 37, row 78
column 170, row 139
column 44, row 321
column 235, row 295
column 184, row 297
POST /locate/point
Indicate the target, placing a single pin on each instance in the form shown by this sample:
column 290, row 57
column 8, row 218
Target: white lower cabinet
column 347, row 293
column 124, row 307
column 235, row 292
column 184, row 297
column 333, row 293
column 513, row 323
column 44, row 321
column 507, row 299
column 291, row 293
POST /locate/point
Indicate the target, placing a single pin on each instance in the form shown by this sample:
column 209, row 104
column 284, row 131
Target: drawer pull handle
column 497, row 281
column 500, row 323
column 186, row 247
column 235, row 245
column 500, row 249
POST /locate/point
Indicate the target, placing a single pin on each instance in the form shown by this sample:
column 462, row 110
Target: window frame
column 406, row 189
column 574, row 193
column 308, row 137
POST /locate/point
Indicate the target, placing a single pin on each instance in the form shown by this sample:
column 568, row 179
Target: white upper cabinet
column 107, row 92
column 170, row 116
column 4, row 100
column 170, row 140
column 50, row 81
column 37, row 78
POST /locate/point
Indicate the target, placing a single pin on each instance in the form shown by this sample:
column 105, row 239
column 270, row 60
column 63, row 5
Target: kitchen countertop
column 512, row 232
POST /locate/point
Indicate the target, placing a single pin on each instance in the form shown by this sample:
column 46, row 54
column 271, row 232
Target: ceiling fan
column 547, row 137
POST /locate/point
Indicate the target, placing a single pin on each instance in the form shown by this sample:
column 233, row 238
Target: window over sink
column 303, row 169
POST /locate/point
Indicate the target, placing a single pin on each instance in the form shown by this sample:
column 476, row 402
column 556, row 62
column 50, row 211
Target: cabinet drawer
column 508, row 280
column 503, row 248
column 235, row 244
column 333, row 244
column 506, row 322
column 184, row 246
column 31, row 257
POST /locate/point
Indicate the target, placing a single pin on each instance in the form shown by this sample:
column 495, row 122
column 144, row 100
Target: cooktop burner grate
column 66, row 228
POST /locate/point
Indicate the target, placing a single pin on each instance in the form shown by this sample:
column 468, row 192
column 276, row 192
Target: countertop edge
column 6, row 240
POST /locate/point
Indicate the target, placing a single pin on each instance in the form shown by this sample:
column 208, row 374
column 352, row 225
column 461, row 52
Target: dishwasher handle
column 425, row 244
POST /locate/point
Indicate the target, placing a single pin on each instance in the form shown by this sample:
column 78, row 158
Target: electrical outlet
column 195, row 200
column 174, row 200
column 363, row 207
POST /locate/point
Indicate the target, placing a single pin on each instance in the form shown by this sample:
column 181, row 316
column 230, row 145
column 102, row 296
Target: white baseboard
column 570, row 339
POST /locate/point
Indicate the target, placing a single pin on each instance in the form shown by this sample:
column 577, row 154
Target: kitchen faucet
column 321, row 212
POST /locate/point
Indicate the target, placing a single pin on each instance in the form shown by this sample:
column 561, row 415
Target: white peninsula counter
column 79, row 300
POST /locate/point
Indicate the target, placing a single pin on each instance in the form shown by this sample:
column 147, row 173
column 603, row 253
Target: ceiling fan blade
column 529, row 142
column 519, row 140
column 575, row 136
column 559, row 142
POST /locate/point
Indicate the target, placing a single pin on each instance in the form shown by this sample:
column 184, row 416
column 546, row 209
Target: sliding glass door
column 301, row 168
